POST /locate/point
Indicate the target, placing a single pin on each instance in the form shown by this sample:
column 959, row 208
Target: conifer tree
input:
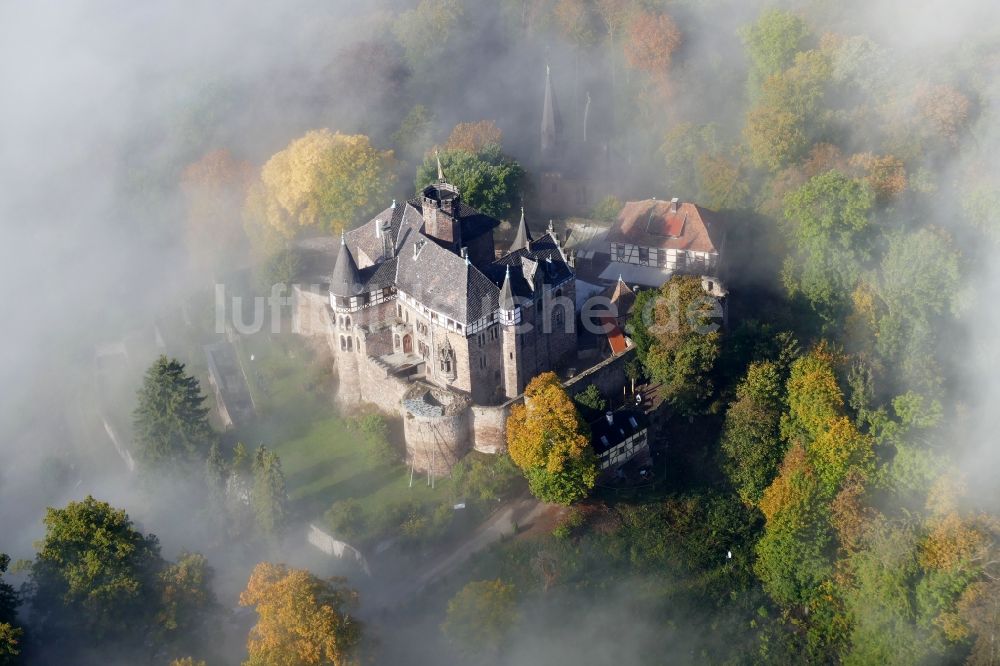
column 269, row 496
column 171, row 421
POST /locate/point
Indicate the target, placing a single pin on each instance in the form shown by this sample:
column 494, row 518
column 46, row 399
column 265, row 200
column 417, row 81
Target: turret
column 510, row 311
column 522, row 239
column 346, row 279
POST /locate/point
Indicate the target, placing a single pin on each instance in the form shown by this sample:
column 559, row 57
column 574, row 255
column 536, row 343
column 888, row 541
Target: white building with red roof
column 652, row 239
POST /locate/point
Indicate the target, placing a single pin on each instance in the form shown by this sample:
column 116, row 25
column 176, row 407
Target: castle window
column 512, row 356
column 396, row 342
column 399, row 311
column 349, row 345
column 482, row 362
column 343, row 344
column 357, row 342
column 347, row 321
column 340, row 321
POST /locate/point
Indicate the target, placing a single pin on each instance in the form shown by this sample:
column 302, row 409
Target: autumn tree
column 480, row 616
column 652, row 40
column 171, row 422
column 683, row 341
column 488, row 180
column 786, row 115
column 474, row 137
column 324, row 179
column 829, row 220
column 576, row 21
column 301, row 619
column 214, row 189
column 792, row 557
column 549, row 441
column 944, row 111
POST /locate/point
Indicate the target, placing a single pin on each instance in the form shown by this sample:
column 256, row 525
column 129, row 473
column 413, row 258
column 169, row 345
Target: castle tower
column 440, row 206
column 510, row 320
column 345, row 283
column 551, row 123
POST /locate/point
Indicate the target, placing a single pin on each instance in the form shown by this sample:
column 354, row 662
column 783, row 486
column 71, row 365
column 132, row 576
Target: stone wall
column 608, row 375
column 489, row 428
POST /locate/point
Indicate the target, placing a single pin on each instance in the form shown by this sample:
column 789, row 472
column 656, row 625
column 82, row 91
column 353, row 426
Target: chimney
column 388, row 247
column 673, row 204
column 610, row 416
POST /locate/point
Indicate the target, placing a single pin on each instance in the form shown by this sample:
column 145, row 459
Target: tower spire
column 437, row 157
column 550, row 120
column 522, row 239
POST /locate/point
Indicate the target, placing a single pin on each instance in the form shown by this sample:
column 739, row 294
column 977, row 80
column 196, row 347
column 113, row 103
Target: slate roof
column 654, row 223
column 435, row 275
column 522, row 237
column 346, row 279
column 618, row 431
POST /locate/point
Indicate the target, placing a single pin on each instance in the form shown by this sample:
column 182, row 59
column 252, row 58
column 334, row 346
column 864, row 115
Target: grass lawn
column 324, row 459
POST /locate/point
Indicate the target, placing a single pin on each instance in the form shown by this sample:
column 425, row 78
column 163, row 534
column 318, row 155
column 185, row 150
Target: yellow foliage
column 839, row 449
column 546, row 431
column 814, row 396
column 784, row 491
column 322, row 179
column 301, row 619
column 952, row 542
column 473, row 137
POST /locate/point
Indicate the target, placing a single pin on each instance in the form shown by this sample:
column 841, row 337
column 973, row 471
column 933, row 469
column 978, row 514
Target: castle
column 427, row 318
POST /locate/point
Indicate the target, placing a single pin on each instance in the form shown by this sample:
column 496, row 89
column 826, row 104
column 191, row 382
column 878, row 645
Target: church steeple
column 522, row 239
column 551, row 123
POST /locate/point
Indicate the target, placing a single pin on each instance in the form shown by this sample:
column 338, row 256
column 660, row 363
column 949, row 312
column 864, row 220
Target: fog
column 103, row 103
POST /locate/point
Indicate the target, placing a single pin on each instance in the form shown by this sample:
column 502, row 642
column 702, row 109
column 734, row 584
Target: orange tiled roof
column 655, row 223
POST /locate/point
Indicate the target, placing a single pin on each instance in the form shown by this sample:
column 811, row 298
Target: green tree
column 772, row 42
column 488, row 180
column 751, row 445
column 484, row 477
column 425, row 32
column 171, row 422
column 94, row 577
column 549, row 441
column 347, row 519
column 607, row 209
column 918, row 284
column 685, row 341
column 186, row 597
column 829, row 221
column 590, row 402
column 10, row 633
column 270, row 498
column 480, row 617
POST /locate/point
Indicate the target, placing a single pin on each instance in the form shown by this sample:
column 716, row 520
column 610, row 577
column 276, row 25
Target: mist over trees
column 829, row 493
